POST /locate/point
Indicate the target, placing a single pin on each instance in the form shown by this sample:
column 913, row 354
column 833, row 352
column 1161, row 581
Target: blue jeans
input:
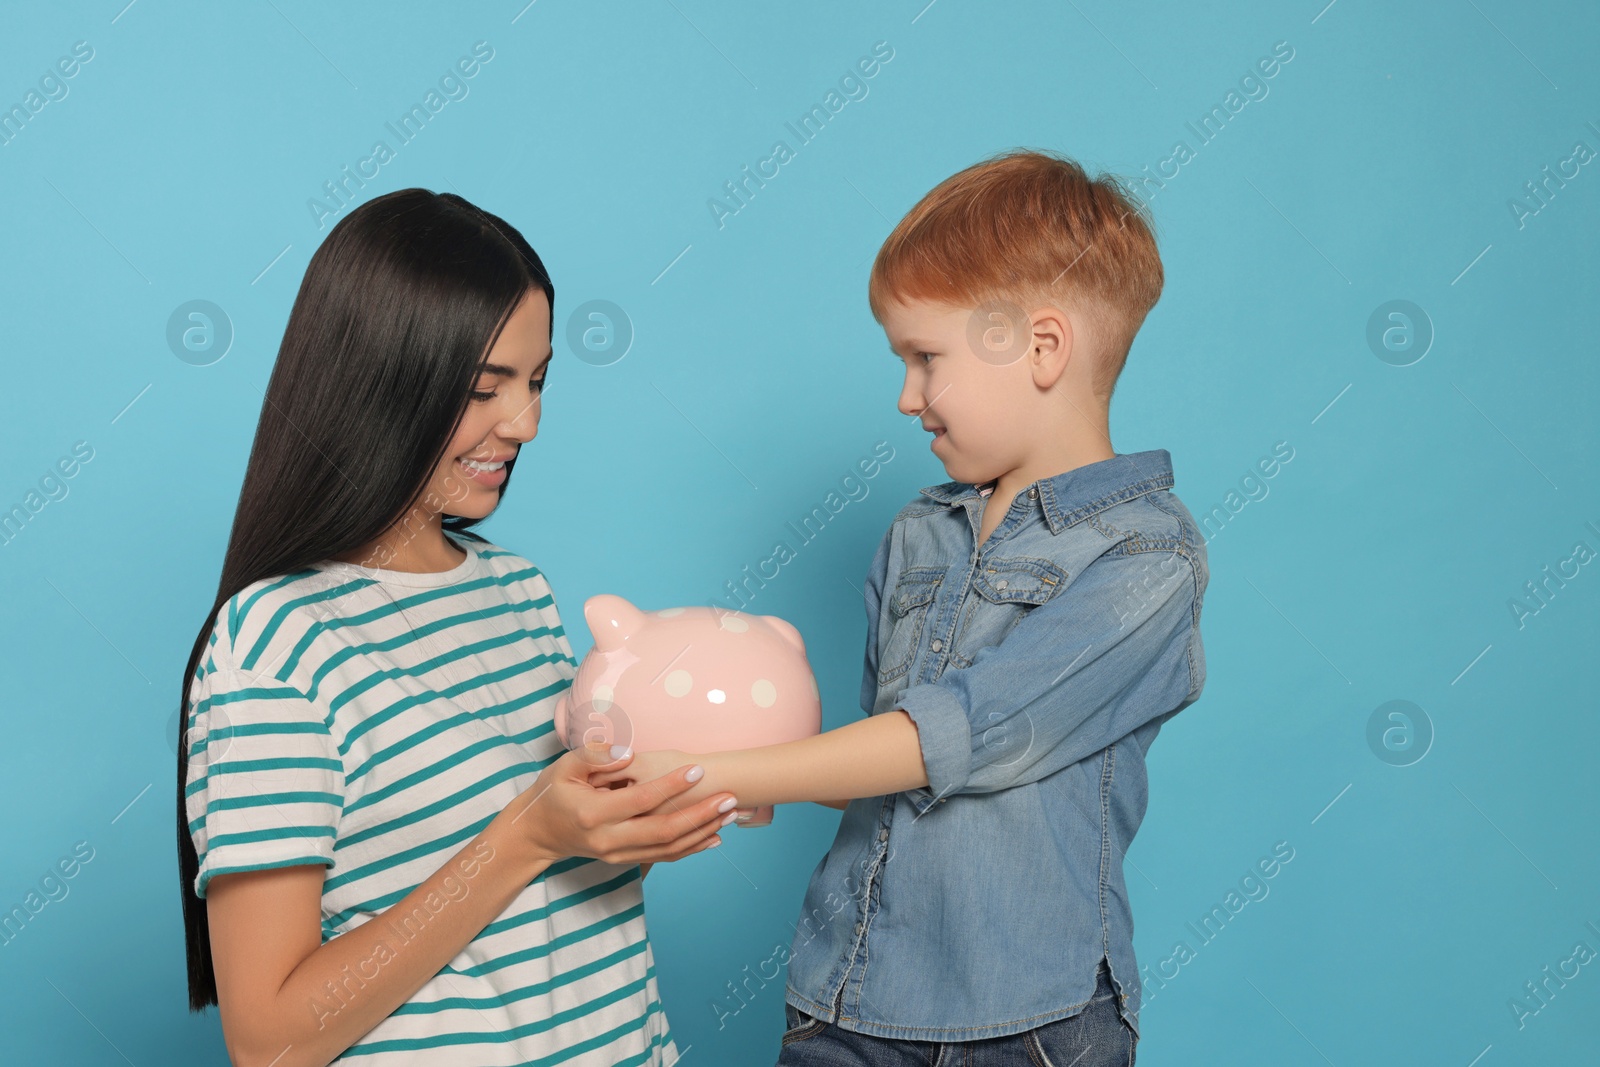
column 1095, row 1037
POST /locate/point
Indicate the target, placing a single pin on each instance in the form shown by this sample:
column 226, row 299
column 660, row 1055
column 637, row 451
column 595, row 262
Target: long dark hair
column 398, row 308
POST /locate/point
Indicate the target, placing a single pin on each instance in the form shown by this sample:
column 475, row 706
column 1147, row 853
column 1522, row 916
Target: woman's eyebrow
column 500, row 370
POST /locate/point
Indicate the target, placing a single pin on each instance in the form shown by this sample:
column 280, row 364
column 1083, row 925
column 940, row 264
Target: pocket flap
column 916, row 587
column 1024, row 580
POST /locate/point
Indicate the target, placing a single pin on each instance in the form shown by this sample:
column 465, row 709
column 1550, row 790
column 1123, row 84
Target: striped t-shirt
column 374, row 721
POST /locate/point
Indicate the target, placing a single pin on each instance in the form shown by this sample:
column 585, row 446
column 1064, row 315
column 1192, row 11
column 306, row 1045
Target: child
column 1030, row 626
column 386, row 857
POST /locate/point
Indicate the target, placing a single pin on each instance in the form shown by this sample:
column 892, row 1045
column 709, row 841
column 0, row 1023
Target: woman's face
column 502, row 414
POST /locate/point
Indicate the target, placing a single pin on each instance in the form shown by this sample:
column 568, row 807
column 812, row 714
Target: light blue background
column 1380, row 565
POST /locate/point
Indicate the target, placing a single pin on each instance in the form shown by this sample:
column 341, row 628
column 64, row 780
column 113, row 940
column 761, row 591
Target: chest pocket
column 1003, row 592
column 909, row 606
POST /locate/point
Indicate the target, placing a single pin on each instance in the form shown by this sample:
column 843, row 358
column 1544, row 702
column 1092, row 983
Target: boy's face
column 977, row 406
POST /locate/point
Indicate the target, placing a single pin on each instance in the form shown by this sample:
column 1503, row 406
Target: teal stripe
column 649, row 1054
column 540, row 1026
column 581, row 896
column 230, row 803
column 389, row 899
column 442, row 804
column 433, row 729
column 426, row 696
column 287, row 608
column 286, row 833
column 571, row 900
column 254, row 729
column 328, row 626
column 253, row 693
column 565, row 978
column 424, row 773
column 238, row 608
column 425, row 848
column 414, row 600
column 309, row 763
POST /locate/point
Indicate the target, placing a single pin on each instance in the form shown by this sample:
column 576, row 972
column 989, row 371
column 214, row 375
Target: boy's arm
column 1076, row 674
column 867, row 758
column 1115, row 650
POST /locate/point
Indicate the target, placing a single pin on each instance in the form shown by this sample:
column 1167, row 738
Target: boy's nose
column 911, row 400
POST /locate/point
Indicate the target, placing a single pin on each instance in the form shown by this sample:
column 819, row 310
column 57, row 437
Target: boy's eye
column 919, row 355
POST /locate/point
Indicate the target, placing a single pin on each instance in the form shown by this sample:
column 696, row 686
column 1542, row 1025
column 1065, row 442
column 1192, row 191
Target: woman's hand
column 643, row 766
column 564, row 813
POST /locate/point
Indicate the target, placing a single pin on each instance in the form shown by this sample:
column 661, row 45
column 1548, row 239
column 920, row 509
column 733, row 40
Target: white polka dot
column 733, row 624
column 603, row 695
column 667, row 613
column 679, row 683
column 764, row 693
column 716, row 696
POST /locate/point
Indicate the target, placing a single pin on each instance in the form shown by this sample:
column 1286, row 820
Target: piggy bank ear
column 790, row 634
column 611, row 619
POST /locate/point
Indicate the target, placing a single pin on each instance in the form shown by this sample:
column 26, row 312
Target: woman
column 386, row 856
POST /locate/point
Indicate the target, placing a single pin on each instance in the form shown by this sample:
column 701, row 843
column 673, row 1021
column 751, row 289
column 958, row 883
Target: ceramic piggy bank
column 697, row 679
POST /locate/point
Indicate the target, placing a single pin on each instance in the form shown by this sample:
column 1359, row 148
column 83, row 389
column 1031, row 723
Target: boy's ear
column 1053, row 345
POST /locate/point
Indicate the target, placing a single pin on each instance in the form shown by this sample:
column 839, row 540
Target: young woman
column 387, row 858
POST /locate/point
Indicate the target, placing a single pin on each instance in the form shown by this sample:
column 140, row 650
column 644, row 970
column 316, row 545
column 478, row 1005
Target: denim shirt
column 1038, row 668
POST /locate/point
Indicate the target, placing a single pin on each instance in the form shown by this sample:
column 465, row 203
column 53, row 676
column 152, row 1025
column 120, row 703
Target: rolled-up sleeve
column 1111, row 652
column 874, row 600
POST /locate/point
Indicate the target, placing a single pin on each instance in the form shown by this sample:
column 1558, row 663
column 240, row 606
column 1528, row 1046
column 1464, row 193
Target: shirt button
column 883, row 835
column 1001, row 584
column 937, row 644
column 858, row 929
column 1033, row 494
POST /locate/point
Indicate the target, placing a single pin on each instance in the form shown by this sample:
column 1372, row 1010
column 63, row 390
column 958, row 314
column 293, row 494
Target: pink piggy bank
column 697, row 679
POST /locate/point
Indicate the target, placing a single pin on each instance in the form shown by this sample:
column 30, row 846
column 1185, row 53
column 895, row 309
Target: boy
column 1031, row 624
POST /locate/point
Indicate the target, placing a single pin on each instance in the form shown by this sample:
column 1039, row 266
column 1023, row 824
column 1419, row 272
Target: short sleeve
column 550, row 614
column 265, row 783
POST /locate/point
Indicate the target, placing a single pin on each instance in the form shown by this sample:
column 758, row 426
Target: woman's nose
column 524, row 424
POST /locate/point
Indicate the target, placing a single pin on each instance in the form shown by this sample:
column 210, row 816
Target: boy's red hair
column 1029, row 227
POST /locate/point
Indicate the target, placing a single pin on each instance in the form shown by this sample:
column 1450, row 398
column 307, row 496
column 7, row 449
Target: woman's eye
column 919, row 355
column 536, row 383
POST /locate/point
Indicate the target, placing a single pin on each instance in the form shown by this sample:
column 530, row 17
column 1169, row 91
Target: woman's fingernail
column 715, row 841
column 729, row 804
column 695, row 773
column 726, row 819
column 619, row 751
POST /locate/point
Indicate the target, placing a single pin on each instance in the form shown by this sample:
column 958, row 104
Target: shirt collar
column 1072, row 496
